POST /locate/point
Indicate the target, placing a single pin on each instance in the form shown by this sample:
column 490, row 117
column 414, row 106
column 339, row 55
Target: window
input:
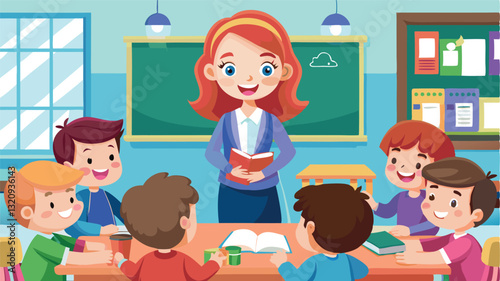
column 44, row 77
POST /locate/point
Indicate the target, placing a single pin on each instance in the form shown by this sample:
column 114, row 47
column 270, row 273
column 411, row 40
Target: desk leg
column 354, row 183
column 305, row 183
column 369, row 186
column 318, row 181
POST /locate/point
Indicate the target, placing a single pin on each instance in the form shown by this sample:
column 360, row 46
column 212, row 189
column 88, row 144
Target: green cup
column 234, row 255
column 208, row 252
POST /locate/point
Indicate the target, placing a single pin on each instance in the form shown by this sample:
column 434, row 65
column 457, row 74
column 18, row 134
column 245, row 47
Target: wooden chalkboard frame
column 405, row 19
column 129, row 40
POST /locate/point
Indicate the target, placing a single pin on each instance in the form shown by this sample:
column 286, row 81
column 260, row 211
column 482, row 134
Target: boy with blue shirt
column 92, row 146
column 335, row 219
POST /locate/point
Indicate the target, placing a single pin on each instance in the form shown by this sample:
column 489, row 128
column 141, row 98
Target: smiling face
column 246, row 71
column 54, row 210
column 449, row 207
column 100, row 162
column 404, row 167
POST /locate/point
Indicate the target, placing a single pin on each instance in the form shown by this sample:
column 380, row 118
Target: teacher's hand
column 255, row 176
column 239, row 172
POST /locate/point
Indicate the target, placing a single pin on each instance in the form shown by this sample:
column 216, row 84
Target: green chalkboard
column 162, row 81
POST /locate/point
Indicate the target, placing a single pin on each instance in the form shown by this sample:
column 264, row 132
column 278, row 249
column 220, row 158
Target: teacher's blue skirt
column 248, row 206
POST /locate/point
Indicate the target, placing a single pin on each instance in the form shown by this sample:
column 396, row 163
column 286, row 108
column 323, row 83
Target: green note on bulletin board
column 450, row 60
column 163, row 82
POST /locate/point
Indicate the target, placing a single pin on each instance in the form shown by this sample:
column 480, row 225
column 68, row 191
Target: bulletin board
column 449, row 25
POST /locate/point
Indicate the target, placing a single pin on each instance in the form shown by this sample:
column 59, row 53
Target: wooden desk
column 256, row 266
column 353, row 173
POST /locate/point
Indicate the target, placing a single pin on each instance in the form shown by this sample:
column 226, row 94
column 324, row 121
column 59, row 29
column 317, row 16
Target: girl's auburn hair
column 212, row 102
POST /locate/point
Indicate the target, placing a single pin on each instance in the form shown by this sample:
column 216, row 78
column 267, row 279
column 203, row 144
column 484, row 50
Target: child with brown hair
column 162, row 214
column 45, row 202
column 410, row 145
column 92, row 146
column 460, row 196
column 335, row 219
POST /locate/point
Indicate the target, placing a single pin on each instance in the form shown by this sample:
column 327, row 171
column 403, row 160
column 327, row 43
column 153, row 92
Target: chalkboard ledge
column 206, row 138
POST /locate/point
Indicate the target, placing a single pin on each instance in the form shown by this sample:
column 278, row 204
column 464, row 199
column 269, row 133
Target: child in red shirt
column 162, row 214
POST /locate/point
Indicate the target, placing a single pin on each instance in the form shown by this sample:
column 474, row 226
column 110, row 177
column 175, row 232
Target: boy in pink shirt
column 459, row 196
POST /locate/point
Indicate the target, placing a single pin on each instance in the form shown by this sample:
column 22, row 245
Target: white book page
column 271, row 242
column 246, row 155
column 244, row 238
column 262, row 155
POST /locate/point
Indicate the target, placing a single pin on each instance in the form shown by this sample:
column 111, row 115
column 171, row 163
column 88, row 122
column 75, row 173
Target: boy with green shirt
column 51, row 188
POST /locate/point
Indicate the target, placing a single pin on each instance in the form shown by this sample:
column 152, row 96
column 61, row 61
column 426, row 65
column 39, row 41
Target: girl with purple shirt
column 248, row 76
column 410, row 146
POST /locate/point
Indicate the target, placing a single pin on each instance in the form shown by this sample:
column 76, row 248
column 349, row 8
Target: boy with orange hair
column 410, row 146
column 45, row 202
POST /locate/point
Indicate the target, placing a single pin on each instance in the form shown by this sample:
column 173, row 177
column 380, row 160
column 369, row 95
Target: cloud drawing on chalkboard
column 323, row 60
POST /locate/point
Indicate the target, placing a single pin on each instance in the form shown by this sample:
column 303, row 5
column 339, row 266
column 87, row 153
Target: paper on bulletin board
column 494, row 53
column 474, row 57
column 426, row 52
column 491, row 116
column 431, row 113
column 464, row 115
column 428, row 105
column 451, row 58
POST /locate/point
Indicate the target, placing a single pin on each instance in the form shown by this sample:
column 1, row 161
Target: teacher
column 248, row 76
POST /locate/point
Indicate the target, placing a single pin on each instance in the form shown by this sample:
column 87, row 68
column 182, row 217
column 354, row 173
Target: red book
column 252, row 163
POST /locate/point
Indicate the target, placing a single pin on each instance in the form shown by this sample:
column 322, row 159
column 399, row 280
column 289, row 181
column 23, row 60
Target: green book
column 383, row 243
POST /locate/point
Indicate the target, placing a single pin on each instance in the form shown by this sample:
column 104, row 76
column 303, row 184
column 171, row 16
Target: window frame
column 20, row 153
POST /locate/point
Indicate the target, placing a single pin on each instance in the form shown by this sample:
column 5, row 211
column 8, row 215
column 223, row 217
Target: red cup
column 121, row 243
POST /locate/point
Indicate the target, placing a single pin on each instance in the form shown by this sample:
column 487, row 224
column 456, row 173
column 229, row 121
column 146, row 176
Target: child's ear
column 209, row 71
column 27, row 213
column 287, row 72
column 477, row 215
column 67, row 164
column 310, row 227
column 185, row 223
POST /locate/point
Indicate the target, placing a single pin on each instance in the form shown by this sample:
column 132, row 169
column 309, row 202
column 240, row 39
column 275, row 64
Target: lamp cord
column 157, row 6
column 336, row 6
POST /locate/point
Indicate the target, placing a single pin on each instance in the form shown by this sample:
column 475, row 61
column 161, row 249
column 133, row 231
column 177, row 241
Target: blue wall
column 113, row 19
column 141, row 160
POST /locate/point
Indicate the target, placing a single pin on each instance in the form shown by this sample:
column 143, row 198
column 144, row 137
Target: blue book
column 250, row 242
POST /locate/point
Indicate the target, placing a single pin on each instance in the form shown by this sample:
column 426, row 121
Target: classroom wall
column 141, row 160
column 111, row 20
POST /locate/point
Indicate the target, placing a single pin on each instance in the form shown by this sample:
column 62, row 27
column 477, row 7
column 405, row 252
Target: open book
column 252, row 163
column 265, row 243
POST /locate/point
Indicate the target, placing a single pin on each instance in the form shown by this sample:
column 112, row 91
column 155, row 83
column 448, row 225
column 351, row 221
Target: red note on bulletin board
column 427, row 52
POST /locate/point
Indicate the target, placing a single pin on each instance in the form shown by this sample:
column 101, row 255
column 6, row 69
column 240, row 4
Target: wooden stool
column 491, row 257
